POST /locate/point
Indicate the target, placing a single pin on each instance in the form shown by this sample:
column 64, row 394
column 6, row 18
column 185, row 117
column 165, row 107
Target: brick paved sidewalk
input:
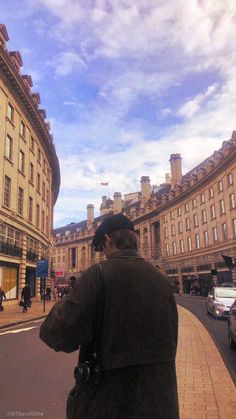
column 12, row 313
column 206, row 389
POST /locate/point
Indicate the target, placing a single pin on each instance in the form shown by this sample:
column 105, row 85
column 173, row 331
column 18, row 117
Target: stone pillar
column 180, row 279
column 234, row 276
column 22, row 267
column 175, row 169
column 117, row 202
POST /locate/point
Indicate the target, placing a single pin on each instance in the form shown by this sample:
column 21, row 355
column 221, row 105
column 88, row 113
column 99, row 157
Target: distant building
column 184, row 225
column 29, row 177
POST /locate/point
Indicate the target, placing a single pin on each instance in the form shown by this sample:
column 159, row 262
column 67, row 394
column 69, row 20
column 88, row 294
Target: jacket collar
column 126, row 254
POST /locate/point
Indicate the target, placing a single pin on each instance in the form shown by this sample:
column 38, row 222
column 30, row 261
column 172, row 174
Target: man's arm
column 70, row 322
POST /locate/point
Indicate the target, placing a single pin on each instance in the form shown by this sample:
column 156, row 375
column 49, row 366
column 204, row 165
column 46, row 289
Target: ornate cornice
column 17, row 84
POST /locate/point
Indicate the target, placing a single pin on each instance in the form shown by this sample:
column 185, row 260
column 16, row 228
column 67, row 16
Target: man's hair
column 125, row 239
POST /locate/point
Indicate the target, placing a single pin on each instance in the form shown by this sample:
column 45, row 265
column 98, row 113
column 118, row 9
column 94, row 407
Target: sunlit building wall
column 29, row 177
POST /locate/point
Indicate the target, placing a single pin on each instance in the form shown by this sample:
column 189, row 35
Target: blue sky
column 125, row 83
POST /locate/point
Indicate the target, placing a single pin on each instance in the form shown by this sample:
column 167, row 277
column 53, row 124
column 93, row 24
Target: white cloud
column 66, row 62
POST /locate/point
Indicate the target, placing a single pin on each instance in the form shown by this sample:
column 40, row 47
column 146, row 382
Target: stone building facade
column 29, row 177
column 185, row 225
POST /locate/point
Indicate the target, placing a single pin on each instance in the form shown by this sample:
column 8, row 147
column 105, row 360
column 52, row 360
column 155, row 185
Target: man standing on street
column 136, row 377
column 26, row 296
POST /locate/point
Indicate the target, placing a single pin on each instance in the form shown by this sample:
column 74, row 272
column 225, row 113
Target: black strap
column 95, row 349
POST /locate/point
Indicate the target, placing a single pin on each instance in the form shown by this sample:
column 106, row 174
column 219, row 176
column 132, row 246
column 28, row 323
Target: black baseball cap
column 109, row 225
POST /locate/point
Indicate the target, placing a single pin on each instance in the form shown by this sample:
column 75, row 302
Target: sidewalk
column 206, row 390
column 13, row 315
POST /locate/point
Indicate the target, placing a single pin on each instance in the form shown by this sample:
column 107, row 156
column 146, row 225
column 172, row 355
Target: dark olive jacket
column 140, row 325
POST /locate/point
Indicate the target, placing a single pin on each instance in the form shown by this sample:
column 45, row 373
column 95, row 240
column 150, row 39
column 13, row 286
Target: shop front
column 9, row 279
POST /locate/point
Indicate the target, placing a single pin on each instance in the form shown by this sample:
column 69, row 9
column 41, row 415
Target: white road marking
column 18, row 330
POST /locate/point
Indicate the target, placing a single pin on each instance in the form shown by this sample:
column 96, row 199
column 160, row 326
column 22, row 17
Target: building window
column 9, row 147
column 220, row 186
column 202, row 198
column 231, row 201
column 32, row 143
column 10, row 112
column 7, row 191
column 187, row 224
column 174, row 248
column 165, row 218
column 39, row 155
column 222, row 207
column 172, row 215
column 47, row 225
column 204, row 217
column 167, row 250
column 73, row 257
column 206, row 238
column 181, row 246
column 44, row 191
column 20, row 200
column 43, row 221
column 22, row 129
column 194, row 203
column 165, row 232
column 195, row 220
column 234, row 227
column 38, row 182
column 186, row 207
column 224, row 231
column 44, row 165
column 215, row 235
column 37, row 216
column 172, row 229
column 30, row 209
column 189, row 241
column 197, row 241
column 31, row 173
column 179, row 211
column 180, row 227
column 22, row 161
column 47, row 198
column 213, row 212
column 230, row 179
column 211, row 193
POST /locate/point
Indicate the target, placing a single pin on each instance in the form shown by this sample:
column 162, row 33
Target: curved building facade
column 29, row 177
column 185, row 225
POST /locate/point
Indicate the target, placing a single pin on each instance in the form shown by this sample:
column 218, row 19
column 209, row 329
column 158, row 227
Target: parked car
column 232, row 326
column 219, row 301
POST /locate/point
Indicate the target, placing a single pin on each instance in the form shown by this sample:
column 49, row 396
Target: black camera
column 87, row 371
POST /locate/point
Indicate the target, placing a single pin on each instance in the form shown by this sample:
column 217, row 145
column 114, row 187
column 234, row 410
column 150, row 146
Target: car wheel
column 231, row 342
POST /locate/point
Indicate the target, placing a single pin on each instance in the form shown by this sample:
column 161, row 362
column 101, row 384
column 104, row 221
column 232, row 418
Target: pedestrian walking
column 26, row 296
column 55, row 294
column 123, row 317
column 48, row 294
column 2, row 295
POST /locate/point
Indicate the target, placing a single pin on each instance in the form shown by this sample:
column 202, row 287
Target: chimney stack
column 167, row 178
column 146, row 188
column 90, row 215
column 117, row 202
column 175, row 169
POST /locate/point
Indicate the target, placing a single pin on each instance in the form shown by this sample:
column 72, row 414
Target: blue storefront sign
column 42, row 268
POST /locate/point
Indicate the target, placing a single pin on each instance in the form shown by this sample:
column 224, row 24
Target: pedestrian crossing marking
column 18, row 330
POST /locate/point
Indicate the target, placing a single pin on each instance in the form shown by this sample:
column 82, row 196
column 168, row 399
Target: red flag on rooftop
column 104, row 183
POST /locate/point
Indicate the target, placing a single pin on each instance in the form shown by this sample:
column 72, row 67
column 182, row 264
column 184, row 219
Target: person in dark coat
column 2, row 295
column 26, row 296
column 138, row 336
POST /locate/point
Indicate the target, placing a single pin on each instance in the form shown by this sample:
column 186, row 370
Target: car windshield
column 226, row 292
